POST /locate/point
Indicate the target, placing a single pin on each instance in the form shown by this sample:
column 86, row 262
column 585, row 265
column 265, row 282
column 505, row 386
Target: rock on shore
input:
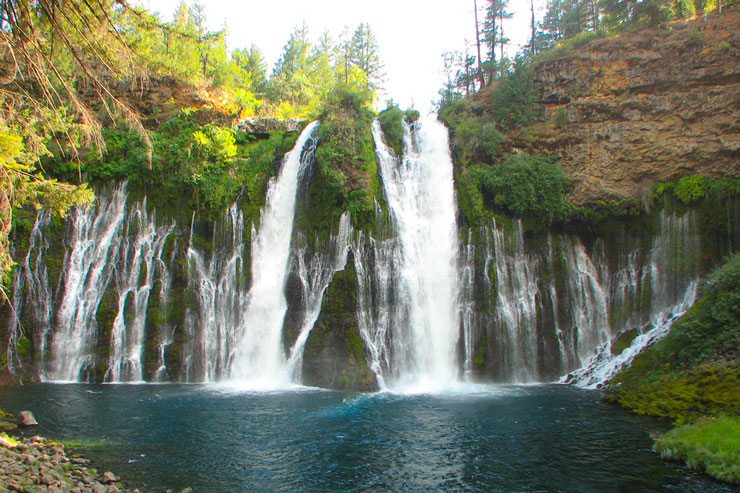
column 38, row 464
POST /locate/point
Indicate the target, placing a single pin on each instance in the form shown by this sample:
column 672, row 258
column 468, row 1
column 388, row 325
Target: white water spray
column 420, row 193
column 260, row 361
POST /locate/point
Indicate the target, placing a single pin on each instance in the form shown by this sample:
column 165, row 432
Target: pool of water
column 480, row 438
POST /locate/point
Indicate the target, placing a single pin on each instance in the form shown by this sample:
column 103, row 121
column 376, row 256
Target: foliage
column 199, row 167
column 710, row 445
column 477, row 125
column 391, row 121
column 22, row 185
column 695, row 369
column 345, row 176
column 692, row 188
column 523, row 184
column 513, row 100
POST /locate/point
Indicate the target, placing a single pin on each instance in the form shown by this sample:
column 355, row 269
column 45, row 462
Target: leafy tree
column 52, row 48
column 622, row 13
column 253, row 69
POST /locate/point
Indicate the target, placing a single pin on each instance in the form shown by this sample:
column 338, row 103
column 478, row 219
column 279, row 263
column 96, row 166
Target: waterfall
column 517, row 299
column 31, row 277
column 87, row 269
column 140, row 250
column 315, row 273
column 420, row 194
column 166, row 326
column 377, row 264
column 218, row 294
column 259, row 360
column 668, row 284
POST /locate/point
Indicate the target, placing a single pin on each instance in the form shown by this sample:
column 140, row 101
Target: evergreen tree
column 493, row 31
column 364, row 55
column 253, row 69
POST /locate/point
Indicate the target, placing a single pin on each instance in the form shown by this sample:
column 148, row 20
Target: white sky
column 411, row 34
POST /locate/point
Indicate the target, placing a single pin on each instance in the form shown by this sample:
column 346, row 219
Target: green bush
column 391, row 121
column 345, row 178
column 523, row 184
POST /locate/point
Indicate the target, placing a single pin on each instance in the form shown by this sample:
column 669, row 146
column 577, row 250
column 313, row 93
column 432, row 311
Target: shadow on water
column 478, row 438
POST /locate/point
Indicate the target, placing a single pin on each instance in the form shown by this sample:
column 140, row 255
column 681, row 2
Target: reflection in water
column 480, row 438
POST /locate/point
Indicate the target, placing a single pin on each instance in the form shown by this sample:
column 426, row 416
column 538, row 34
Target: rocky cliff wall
column 628, row 111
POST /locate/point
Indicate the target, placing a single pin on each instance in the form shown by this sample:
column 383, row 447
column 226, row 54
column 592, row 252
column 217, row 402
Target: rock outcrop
column 625, row 112
column 263, row 126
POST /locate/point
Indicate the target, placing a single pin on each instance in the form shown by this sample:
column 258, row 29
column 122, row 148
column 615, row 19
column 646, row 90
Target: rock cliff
column 628, row 111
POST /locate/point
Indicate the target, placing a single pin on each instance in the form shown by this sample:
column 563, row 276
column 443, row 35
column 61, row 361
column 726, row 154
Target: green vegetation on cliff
column 346, row 176
column 692, row 373
column 193, row 166
column 391, row 121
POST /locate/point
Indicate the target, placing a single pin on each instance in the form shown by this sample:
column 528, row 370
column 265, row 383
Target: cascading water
column 219, row 293
column 516, row 304
column 671, row 276
column 420, row 194
column 141, row 249
column 377, row 264
column 259, row 359
column 31, row 277
column 530, row 306
column 315, row 273
column 166, row 328
column 87, row 268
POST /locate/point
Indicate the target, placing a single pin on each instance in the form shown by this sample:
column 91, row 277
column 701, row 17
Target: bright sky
column 411, row 34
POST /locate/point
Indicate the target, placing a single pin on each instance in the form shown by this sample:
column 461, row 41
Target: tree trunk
column 477, row 44
column 534, row 30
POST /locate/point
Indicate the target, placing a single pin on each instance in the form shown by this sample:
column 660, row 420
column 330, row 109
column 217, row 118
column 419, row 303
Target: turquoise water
column 502, row 438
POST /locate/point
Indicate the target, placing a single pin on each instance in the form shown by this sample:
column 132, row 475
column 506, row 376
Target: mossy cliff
column 334, row 356
column 693, row 376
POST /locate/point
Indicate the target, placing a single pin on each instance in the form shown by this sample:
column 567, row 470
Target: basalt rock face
column 625, row 112
column 263, row 126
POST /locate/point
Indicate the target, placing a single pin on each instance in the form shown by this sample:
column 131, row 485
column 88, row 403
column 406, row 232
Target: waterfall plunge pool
column 481, row 438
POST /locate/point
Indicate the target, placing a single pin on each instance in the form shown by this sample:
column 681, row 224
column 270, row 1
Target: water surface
column 502, row 438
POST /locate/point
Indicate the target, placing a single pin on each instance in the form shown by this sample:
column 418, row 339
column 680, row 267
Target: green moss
column 624, row 340
column 695, row 370
column 710, row 445
column 355, row 346
column 24, row 347
column 481, row 350
column 681, row 396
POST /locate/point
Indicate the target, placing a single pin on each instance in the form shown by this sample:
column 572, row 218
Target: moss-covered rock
column 334, row 356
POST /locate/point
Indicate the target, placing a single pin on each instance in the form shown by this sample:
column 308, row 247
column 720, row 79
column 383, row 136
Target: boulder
column 263, row 126
column 26, row 418
column 109, row 477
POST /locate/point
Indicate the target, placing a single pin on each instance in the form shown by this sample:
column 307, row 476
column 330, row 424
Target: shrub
column 391, row 121
column 523, row 184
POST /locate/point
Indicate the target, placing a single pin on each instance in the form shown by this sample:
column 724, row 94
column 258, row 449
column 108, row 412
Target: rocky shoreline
column 41, row 465
column 38, row 464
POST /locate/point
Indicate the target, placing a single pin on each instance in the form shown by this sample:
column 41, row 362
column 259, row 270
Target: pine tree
column 364, row 54
column 496, row 12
